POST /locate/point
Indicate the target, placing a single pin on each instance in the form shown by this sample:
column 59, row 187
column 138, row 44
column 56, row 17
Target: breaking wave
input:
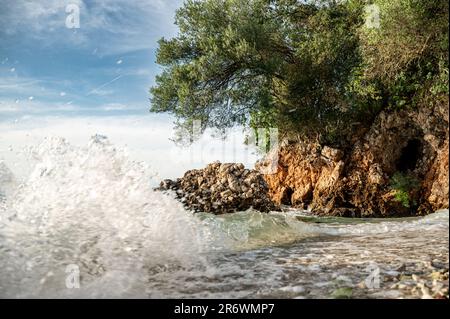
column 92, row 207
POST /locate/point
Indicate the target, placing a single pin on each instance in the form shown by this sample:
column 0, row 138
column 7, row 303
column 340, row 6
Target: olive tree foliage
column 406, row 58
column 256, row 63
column 308, row 67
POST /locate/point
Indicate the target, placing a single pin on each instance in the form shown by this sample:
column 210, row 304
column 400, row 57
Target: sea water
column 91, row 212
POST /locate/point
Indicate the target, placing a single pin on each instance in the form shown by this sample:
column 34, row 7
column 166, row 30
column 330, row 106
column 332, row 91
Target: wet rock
column 421, row 281
column 168, row 184
column 221, row 188
column 342, row 293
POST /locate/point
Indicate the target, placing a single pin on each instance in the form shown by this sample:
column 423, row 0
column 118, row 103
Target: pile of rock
column 221, row 189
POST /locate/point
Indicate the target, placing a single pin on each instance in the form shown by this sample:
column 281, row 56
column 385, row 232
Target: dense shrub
column 312, row 68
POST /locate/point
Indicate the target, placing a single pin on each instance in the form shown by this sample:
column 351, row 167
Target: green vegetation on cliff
column 310, row 67
column 403, row 184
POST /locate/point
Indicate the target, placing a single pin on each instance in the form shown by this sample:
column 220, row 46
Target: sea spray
column 93, row 207
column 7, row 181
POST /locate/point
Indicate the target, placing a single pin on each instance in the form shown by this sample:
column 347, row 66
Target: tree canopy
column 302, row 66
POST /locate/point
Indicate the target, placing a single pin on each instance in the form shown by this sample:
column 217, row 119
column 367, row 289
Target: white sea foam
column 93, row 207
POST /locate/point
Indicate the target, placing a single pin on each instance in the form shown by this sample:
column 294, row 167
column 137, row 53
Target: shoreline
column 397, row 167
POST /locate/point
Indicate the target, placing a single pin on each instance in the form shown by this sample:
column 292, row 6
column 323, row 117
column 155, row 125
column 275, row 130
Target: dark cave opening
column 287, row 196
column 409, row 157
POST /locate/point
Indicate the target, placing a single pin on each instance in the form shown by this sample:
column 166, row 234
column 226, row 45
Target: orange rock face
column 436, row 182
column 358, row 182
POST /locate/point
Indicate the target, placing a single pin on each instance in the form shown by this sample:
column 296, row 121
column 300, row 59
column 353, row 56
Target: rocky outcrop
column 399, row 166
column 222, row 188
column 358, row 182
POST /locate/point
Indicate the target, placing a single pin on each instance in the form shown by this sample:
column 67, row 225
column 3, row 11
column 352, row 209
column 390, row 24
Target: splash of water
column 93, row 207
column 7, row 181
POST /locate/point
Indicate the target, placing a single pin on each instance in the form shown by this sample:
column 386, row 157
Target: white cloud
column 108, row 26
column 32, row 105
column 145, row 137
column 113, row 107
column 145, row 72
column 36, row 16
column 22, row 87
column 28, row 95
column 102, row 92
column 7, row 107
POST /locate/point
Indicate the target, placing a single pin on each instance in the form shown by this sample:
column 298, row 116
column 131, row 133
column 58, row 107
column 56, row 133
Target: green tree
column 308, row 67
column 406, row 58
column 257, row 62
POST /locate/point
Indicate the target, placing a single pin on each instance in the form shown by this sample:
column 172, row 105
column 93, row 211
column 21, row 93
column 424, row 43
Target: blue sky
column 105, row 67
column 75, row 83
